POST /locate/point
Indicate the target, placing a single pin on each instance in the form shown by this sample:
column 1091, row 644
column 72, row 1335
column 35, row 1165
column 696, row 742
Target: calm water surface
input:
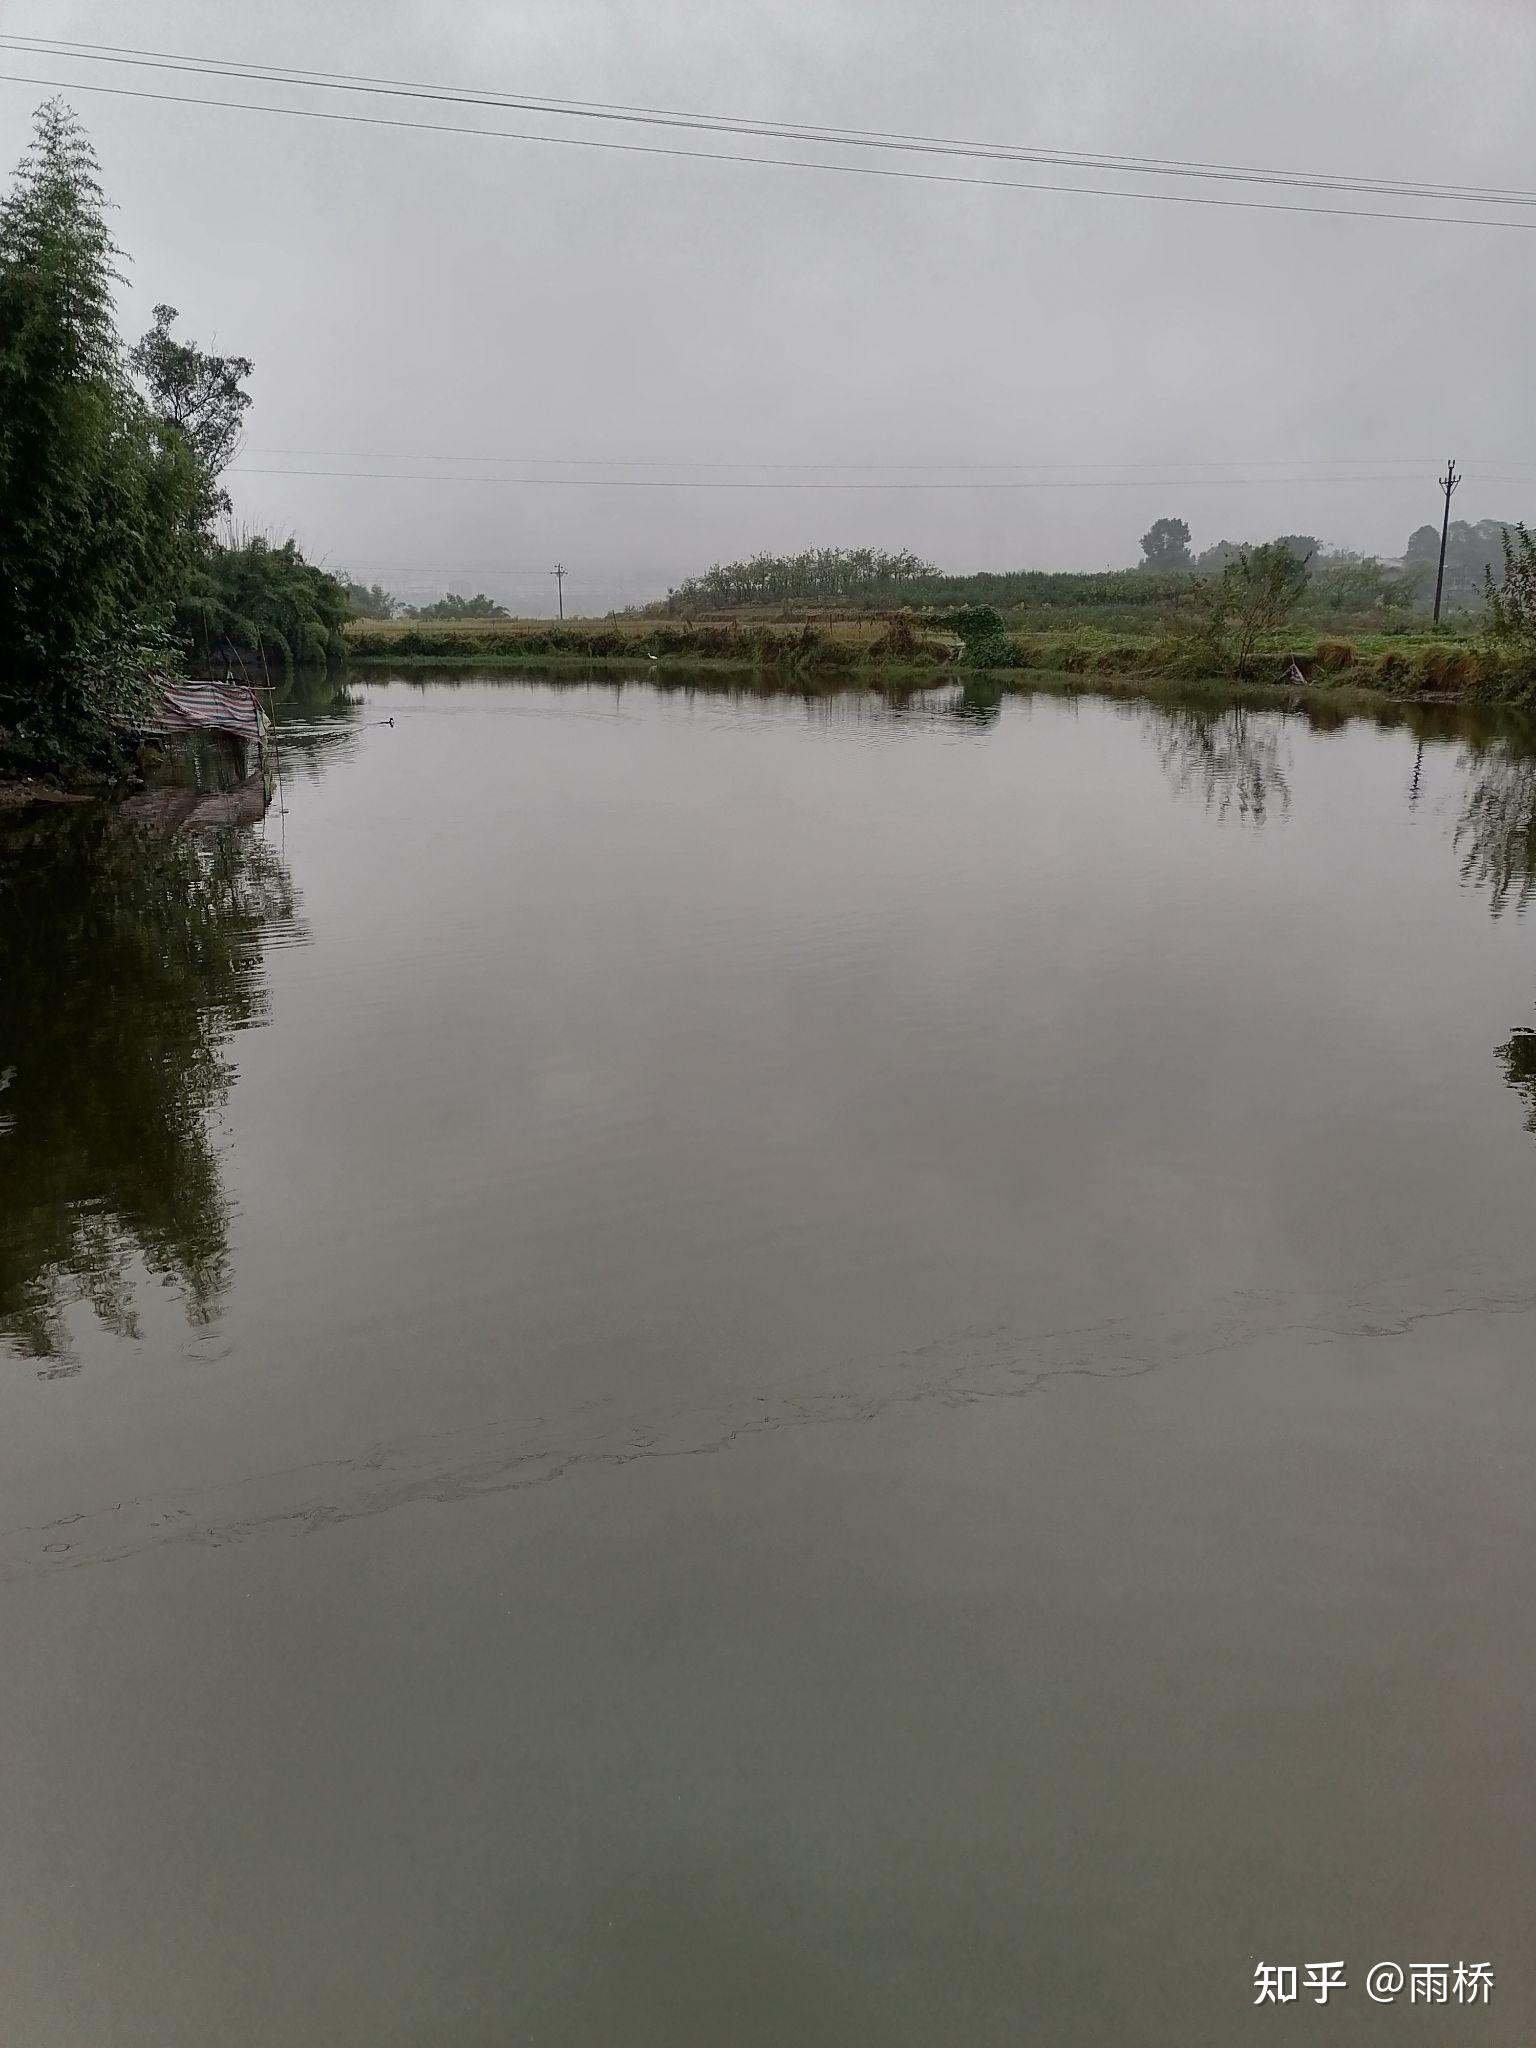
column 682, row 1369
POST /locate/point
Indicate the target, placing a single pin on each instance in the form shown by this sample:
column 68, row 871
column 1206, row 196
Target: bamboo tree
column 93, row 495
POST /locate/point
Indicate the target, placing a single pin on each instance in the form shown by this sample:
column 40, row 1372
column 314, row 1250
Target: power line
column 775, row 162
column 832, row 135
column 641, row 483
column 1409, row 463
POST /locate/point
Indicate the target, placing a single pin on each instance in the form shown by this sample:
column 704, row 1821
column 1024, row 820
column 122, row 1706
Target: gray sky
column 413, row 298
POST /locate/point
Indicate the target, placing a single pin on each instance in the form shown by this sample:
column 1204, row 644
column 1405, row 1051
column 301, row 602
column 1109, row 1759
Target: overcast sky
column 412, row 299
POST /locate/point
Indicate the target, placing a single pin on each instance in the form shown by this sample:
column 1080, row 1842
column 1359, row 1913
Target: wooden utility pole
column 558, row 572
column 1448, row 484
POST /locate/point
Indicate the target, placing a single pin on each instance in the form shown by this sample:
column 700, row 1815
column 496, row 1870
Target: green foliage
column 1133, row 591
column 198, row 396
column 455, row 607
column 1338, row 584
column 1253, row 596
column 1345, row 585
column 1511, row 602
column 1212, row 561
column 1385, row 659
column 1306, row 547
column 818, row 576
column 260, row 597
column 1332, row 657
column 96, row 496
column 368, row 600
column 745, row 644
column 980, row 626
column 1390, row 662
column 108, row 572
column 1165, row 546
column 1473, row 554
column 856, row 579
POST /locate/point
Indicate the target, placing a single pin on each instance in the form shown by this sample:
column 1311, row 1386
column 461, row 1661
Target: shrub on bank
column 261, row 597
column 1332, row 657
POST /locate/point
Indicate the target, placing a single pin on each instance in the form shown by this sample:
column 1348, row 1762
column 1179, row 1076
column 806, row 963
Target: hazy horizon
column 468, row 331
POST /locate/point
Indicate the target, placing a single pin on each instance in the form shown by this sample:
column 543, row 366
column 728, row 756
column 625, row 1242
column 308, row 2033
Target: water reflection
column 1230, row 757
column 130, row 955
column 1496, row 832
column 1518, row 1055
column 979, row 701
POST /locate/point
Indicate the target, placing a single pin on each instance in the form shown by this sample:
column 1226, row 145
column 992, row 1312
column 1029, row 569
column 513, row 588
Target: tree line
column 111, row 574
column 1341, row 581
column 373, row 601
column 1334, row 584
column 873, row 579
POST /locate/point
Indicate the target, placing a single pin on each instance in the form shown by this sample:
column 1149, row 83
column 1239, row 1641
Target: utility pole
column 1448, row 484
column 558, row 572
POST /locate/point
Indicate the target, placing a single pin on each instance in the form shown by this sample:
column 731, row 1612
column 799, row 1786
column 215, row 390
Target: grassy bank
column 1398, row 664
column 1389, row 664
column 786, row 644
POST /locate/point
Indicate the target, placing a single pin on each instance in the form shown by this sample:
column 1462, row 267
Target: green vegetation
column 109, row 572
column 865, row 579
column 1165, row 546
column 1338, row 585
column 1397, row 662
column 844, row 576
column 1142, row 592
column 1512, row 601
column 983, row 634
column 254, row 598
column 1341, row 585
column 373, row 601
column 1471, row 667
column 202, row 398
column 368, row 600
column 459, row 608
column 1211, row 561
column 795, row 645
column 1473, row 554
column 1262, row 611
column 97, row 496
column 1253, row 596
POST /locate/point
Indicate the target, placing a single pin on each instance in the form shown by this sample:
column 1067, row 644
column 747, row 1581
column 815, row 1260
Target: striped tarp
column 208, row 707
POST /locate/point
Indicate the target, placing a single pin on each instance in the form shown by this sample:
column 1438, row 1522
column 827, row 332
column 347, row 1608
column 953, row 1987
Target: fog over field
column 433, row 315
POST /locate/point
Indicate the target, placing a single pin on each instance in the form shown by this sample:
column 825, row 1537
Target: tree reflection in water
column 979, row 701
column 1233, row 758
column 129, row 958
column 1496, row 838
column 1518, row 1054
column 1496, row 833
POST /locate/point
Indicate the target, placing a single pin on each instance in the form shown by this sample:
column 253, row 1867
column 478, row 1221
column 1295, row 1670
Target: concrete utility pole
column 1448, row 484
column 558, row 572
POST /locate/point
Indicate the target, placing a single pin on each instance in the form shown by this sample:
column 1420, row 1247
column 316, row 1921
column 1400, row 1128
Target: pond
column 683, row 1366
